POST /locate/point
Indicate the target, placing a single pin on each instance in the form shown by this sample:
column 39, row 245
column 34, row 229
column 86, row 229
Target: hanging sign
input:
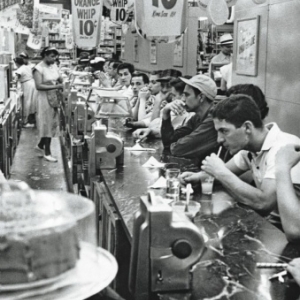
column 25, row 13
column 120, row 10
column 34, row 41
column 87, row 22
column 217, row 11
column 160, row 18
column 48, row 9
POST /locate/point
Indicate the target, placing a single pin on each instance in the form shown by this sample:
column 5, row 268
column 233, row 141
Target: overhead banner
column 87, row 22
column 160, row 18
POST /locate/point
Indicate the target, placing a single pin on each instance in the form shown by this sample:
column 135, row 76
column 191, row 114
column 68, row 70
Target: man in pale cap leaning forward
column 198, row 137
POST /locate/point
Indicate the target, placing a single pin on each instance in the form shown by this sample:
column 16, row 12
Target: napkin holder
column 105, row 149
column 165, row 247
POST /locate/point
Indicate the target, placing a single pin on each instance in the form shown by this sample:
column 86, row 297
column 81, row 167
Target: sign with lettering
column 34, row 41
column 86, row 22
column 120, row 10
column 160, row 17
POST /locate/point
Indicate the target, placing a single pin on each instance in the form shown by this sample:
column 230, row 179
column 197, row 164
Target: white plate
column 94, row 271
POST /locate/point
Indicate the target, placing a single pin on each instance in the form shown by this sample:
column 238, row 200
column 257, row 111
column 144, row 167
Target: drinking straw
column 219, row 151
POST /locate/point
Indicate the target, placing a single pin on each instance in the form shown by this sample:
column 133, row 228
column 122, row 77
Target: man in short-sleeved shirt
column 240, row 129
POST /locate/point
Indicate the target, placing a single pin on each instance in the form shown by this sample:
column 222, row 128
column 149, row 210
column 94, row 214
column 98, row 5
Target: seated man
column 161, row 89
column 177, row 88
column 198, row 137
column 254, row 146
column 288, row 194
column 125, row 71
column 142, row 101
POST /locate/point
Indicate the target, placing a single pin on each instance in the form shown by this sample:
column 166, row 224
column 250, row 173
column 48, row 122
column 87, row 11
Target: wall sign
column 153, row 53
column 178, row 52
column 247, row 46
column 87, row 22
column 136, row 48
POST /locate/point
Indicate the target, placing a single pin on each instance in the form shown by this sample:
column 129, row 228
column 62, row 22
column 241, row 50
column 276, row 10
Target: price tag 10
column 34, row 41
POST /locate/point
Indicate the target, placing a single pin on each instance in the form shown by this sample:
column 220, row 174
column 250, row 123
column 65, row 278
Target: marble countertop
column 227, row 269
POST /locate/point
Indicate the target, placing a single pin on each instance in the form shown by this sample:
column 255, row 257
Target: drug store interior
column 99, row 217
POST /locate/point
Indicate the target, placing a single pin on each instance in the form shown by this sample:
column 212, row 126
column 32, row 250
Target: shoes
column 50, row 158
column 40, row 152
column 28, row 125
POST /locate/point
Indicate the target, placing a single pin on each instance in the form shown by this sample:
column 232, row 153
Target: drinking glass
column 173, row 184
column 207, row 182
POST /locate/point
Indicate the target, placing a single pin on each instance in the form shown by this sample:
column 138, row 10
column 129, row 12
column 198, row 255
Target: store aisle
column 37, row 172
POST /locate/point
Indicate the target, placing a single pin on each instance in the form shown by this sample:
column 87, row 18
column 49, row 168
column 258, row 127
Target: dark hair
column 128, row 66
column 253, row 91
column 115, row 64
column 156, row 73
column 237, row 109
column 178, row 85
column 143, row 75
column 19, row 61
column 46, row 50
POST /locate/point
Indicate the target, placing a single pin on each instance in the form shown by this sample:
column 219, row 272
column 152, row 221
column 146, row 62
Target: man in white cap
column 198, row 136
column 224, row 57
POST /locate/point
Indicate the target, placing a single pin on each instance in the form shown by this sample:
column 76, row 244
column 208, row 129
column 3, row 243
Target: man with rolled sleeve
column 198, row 137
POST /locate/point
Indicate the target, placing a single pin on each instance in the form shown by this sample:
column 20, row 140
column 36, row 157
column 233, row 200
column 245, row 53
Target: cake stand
column 94, row 271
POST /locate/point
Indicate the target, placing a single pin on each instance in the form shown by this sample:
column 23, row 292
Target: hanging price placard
column 160, row 17
column 120, row 10
column 87, row 22
column 34, row 41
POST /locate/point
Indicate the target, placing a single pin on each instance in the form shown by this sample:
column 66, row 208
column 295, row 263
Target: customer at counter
column 177, row 88
column 143, row 101
column 125, row 71
column 198, row 137
column 254, row 146
column 288, row 193
column 161, row 90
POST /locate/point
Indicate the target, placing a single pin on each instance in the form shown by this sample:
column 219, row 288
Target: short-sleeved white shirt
column 262, row 164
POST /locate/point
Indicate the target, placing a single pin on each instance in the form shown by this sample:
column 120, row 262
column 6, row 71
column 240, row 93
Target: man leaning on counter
column 254, row 146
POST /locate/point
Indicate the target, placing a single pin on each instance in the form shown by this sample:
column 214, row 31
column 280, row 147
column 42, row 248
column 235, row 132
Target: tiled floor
column 37, row 172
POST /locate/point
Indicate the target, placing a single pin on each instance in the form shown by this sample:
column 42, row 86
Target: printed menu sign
column 87, row 22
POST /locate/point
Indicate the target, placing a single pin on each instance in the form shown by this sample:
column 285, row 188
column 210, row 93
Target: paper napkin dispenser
column 165, row 246
column 104, row 149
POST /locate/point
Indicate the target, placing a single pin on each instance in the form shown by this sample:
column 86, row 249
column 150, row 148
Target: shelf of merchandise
column 108, row 45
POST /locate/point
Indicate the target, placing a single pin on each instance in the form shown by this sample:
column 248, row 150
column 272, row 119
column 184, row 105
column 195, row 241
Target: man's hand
column 141, row 133
column 294, row 269
column 214, row 165
column 189, row 177
column 287, row 157
column 144, row 93
column 177, row 107
column 104, row 79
